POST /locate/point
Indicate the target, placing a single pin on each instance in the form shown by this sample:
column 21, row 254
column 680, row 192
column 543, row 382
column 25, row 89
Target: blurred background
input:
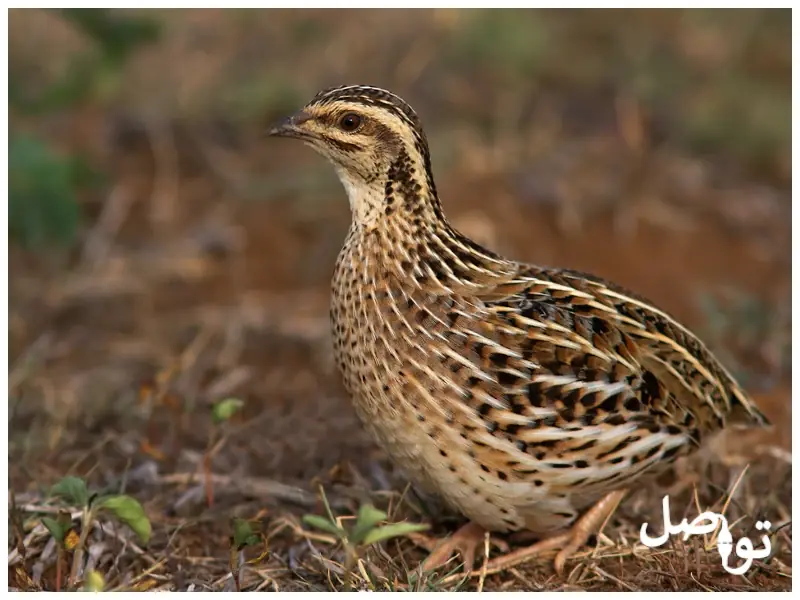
column 164, row 255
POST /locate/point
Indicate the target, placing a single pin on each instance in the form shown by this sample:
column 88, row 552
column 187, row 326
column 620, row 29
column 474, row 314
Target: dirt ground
column 202, row 272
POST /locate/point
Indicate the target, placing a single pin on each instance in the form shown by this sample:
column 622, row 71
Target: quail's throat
column 398, row 221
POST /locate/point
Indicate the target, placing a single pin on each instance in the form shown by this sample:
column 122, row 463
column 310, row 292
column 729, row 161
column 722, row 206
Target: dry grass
column 190, row 544
column 202, row 273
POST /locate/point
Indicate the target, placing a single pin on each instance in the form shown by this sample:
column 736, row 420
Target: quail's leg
column 566, row 543
column 466, row 540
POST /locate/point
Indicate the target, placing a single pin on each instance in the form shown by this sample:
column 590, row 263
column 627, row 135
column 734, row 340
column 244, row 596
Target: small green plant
column 65, row 537
column 74, row 492
column 243, row 536
column 221, row 412
column 364, row 533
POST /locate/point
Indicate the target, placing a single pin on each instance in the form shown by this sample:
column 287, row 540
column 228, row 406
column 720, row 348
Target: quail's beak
column 290, row 126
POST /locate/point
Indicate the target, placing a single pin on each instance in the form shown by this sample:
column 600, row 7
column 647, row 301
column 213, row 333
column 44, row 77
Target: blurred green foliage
column 511, row 46
column 248, row 101
column 92, row 74
column 718, row 81
column 43, row 206
column 118, row 36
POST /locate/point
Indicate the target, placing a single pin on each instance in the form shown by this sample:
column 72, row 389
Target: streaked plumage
column 521, row 395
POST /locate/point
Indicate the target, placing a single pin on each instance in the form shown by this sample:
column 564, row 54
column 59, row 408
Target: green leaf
column 129, row 511
column 59, row 527
column 73, row 490
column 225, row 409
column 368, row 517
column 243, row 534
column 56, row 529
column 391, row 531
column 323, row 524
column 98, row 500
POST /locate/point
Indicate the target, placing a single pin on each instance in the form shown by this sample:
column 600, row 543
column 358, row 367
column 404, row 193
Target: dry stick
column 249, row 485
column 59, row 560
column 705, row 588
column 207, row 484
column 616, row 580
column 16, row 525
column 362, row 569
column 77, row 557
column 19, row 371
column 147, row 572
column 236, row 565
column 212, row 449
column 727, row 502
column 484, row 566
column 167, row 178
column 115, row 212
column 350, row 561
column 51, row 510
column 522, row 579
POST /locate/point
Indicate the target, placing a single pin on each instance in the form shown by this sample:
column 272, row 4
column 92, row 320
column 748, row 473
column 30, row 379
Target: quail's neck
column 398, row 222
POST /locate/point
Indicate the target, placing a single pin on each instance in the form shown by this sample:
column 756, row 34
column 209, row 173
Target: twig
column 727, row 503
column 616, row 580
column 115, row 211
column 167, row 177
column 77, row 557
column 484, row 566
column 252, row 486
column 21, row 367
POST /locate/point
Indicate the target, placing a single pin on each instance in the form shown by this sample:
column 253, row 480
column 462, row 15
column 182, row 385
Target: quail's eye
column 350, row 122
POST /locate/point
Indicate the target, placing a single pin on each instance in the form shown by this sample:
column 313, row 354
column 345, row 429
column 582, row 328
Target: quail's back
column 519, row 394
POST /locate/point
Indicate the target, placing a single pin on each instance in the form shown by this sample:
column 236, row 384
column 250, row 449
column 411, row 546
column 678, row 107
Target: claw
column 567, row 543
column 465, row 541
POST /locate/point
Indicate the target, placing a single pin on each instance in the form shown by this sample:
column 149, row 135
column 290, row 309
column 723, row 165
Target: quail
column 528, row 398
